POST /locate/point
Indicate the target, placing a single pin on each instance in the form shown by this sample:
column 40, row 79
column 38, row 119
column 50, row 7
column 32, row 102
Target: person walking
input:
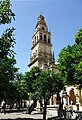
column 3, row 106
column 11, row 106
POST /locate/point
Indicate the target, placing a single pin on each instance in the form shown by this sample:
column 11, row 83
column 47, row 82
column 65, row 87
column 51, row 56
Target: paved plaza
column 20, row 115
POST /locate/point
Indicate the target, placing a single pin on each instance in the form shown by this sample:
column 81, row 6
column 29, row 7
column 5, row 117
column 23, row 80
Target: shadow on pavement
column 21, row 119
column 53, row 118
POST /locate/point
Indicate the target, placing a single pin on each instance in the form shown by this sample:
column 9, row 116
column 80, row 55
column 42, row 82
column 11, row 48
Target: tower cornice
column 48, row 33
column 43, row 42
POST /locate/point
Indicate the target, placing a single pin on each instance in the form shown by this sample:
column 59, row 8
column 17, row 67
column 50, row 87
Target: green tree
column 6, row 13
column 43, row 84
column 78, row 37
column 20, row 88
column 46, row 85
column 29, row 78
column 78, row 55
column 7, row 58
column 66, row 64
column 70, row 59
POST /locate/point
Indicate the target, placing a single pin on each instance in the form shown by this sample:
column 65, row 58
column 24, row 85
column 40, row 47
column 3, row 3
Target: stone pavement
column 21, row 116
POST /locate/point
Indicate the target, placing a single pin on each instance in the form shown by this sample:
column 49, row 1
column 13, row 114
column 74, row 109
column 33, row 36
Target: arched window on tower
column 33, row 42
column 48, row 39
column 44, row 37
column 40, row 36
column 42, row 28
column 37, row 37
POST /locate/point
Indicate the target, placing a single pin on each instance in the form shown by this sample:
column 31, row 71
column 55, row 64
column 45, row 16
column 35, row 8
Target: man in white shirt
column 3, row 106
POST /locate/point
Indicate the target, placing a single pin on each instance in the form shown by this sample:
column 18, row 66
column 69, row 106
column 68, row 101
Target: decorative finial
column 40, row 13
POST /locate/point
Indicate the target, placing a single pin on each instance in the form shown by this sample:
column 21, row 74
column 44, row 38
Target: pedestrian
column 3, row 106
column 60, row 110
column 11, row 106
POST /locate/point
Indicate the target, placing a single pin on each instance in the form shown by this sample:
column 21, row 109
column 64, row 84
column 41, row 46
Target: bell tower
column 41, row 55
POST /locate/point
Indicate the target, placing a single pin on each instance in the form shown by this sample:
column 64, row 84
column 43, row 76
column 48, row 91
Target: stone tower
column 41, row 55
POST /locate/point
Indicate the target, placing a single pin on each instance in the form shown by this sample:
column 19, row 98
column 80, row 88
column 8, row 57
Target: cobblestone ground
column 21, row 116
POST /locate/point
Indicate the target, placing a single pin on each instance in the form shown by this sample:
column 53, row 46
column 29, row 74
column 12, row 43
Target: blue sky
column 63, row 18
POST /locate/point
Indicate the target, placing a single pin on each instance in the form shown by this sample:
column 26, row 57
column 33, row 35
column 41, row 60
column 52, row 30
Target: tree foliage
column 30, row 77
column 7, row 42
column 78, row 37
column 78, row 67
column 70, row 59
column 7, row 58
column 43, row 84
column 20, row 86
column 67, row 64
column 6, row 13
column 47, row 84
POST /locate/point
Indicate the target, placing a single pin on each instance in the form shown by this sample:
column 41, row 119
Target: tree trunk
column 44, row 112
column 19, row 105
